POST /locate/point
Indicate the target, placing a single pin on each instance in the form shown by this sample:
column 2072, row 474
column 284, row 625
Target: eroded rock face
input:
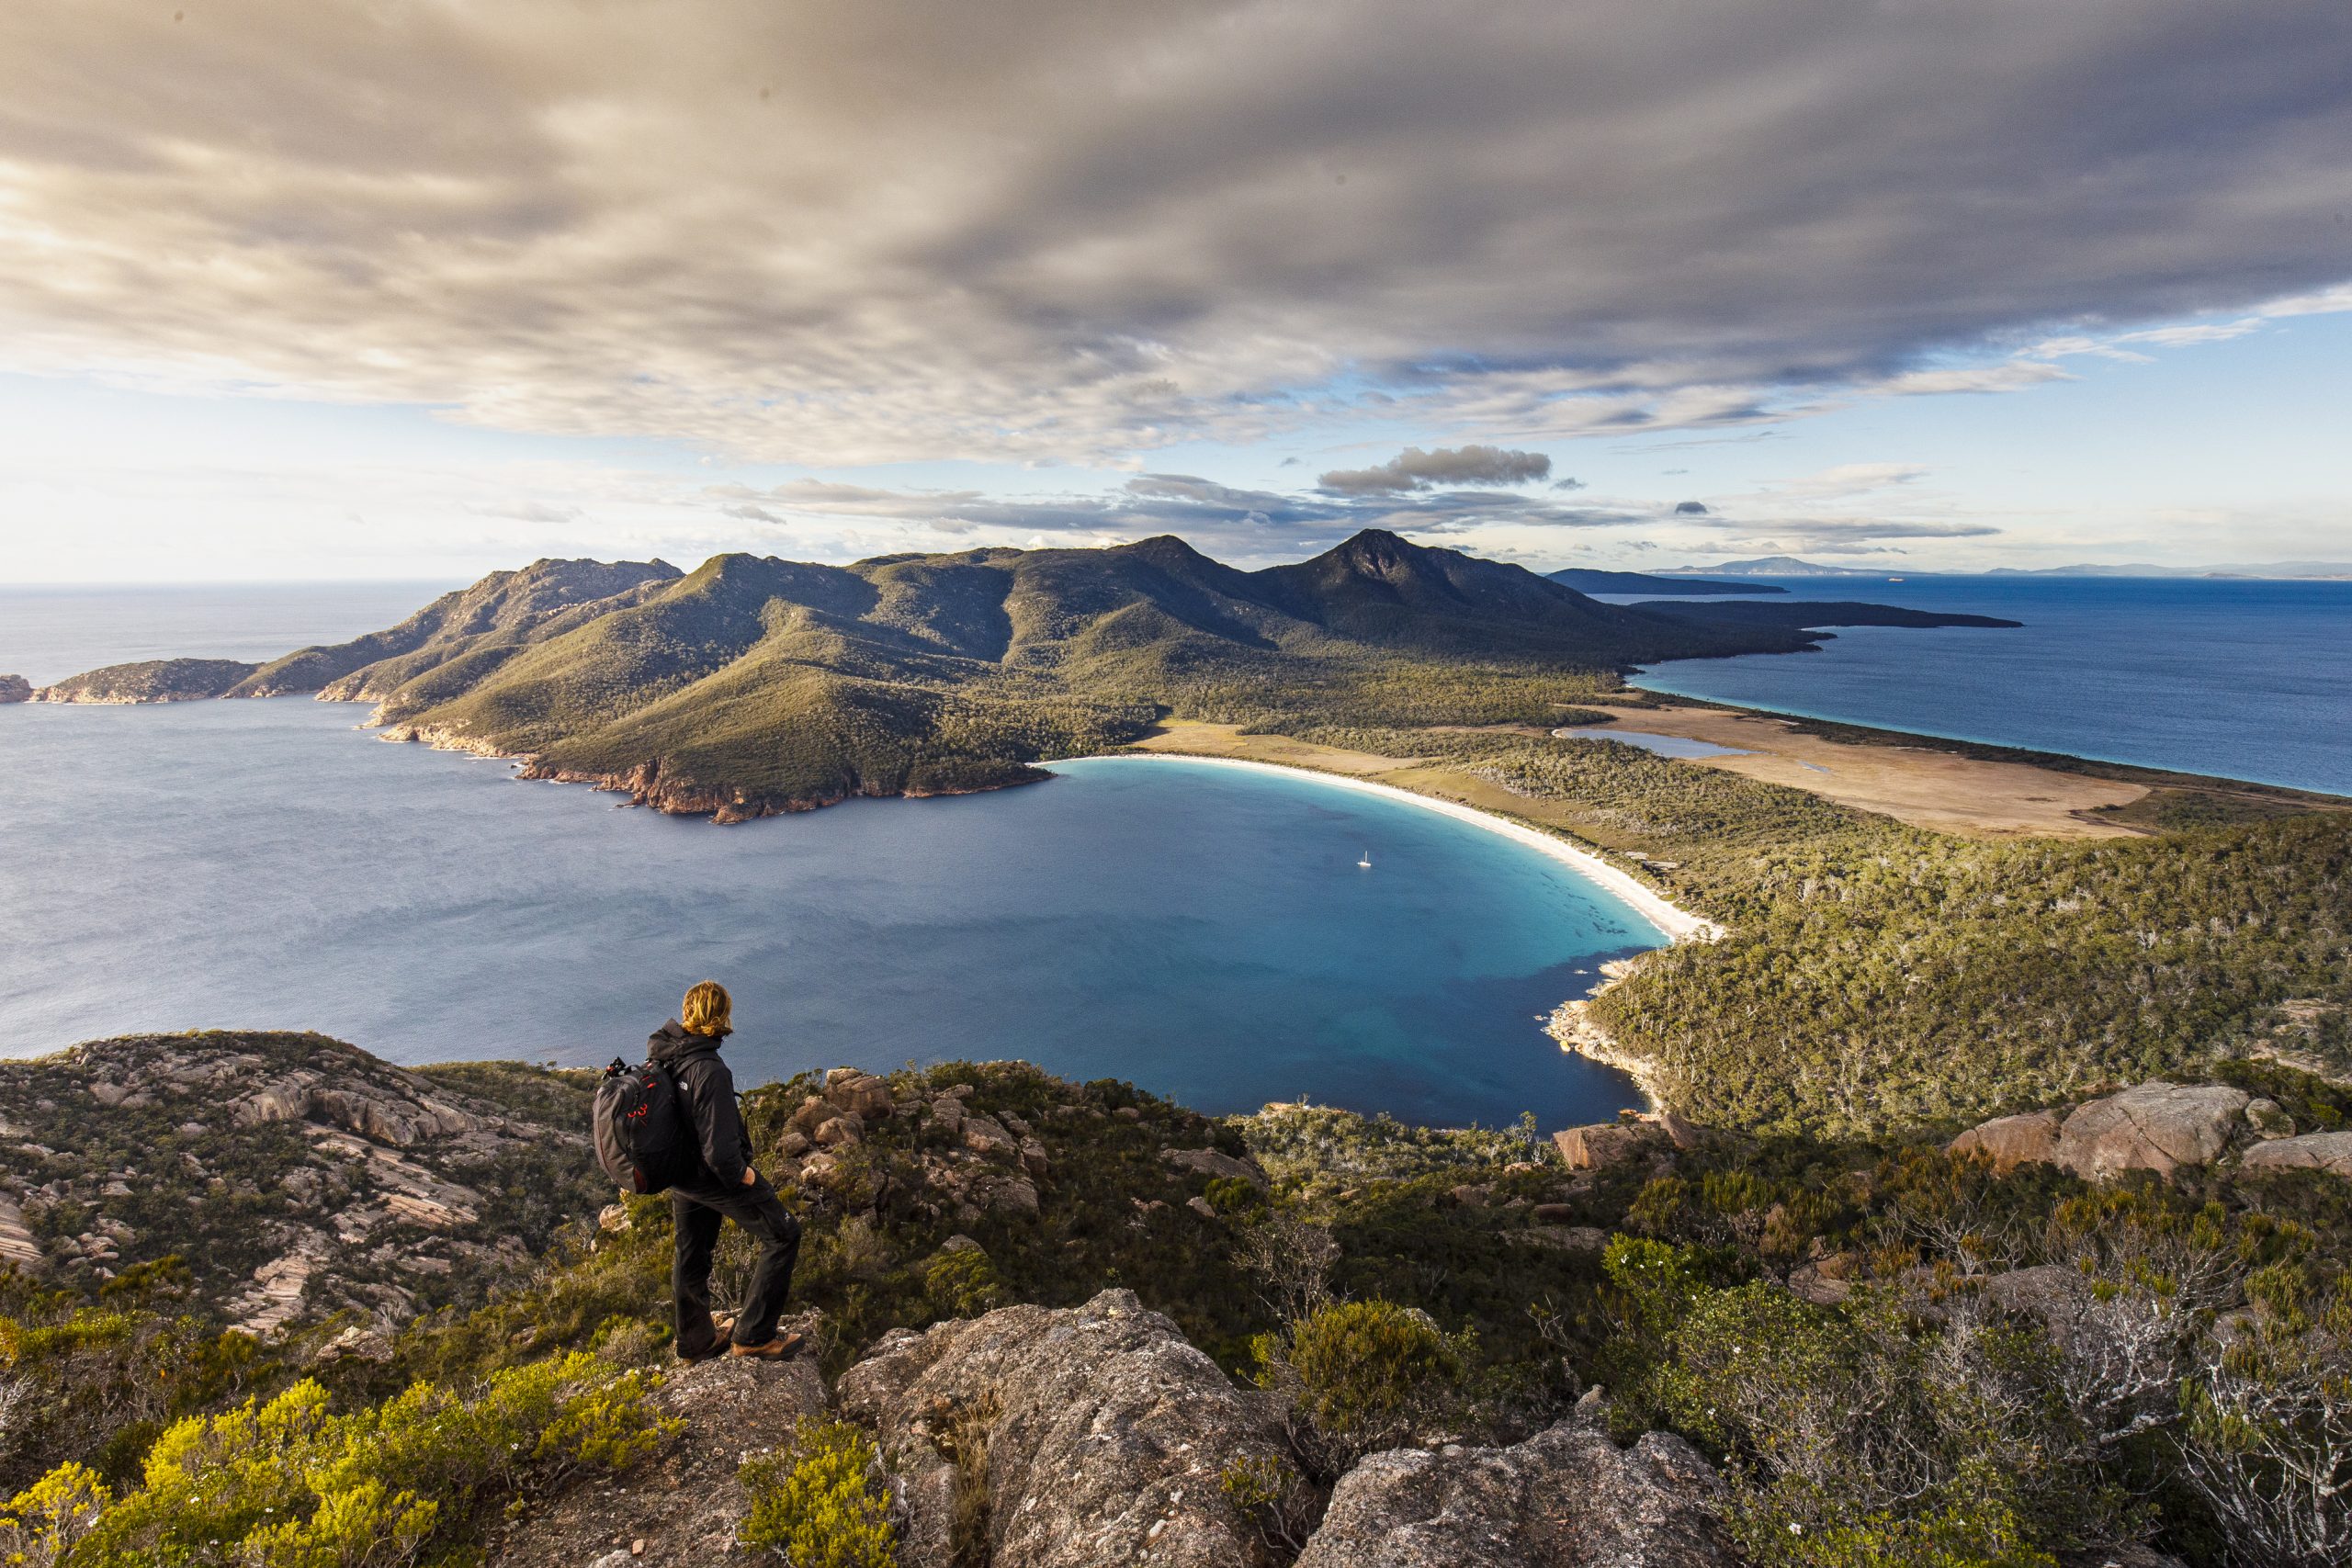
column 2157, row 1126
column 1568, row 1497
column 1109, row 1436
column 2330, row 1152
column 2012, row 1140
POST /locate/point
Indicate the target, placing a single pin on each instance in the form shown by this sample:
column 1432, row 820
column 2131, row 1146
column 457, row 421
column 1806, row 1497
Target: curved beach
column 1674, row 923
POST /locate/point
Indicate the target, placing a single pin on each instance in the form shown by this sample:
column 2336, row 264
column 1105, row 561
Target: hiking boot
column 721, row 1326
column 783, row 1347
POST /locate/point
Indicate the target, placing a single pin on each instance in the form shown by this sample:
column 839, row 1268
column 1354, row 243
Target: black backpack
column 641, row 1136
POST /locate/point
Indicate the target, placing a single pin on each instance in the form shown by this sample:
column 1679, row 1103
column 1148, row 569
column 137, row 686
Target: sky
column 418, row 288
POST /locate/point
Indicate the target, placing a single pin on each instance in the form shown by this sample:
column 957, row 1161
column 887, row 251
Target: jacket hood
column 673, row 1039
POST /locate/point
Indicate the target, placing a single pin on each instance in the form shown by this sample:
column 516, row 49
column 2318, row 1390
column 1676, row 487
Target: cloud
column 1691, row 509
column 1414, row 469
column 1568, row 484
column 839, row 234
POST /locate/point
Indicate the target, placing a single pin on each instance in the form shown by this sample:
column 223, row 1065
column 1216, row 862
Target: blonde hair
column 707, row 1008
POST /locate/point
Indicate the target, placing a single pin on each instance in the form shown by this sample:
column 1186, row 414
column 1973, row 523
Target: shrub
column 823, row 1503
column 1363, row 1375
column 290, row 1483
column 962, row 1283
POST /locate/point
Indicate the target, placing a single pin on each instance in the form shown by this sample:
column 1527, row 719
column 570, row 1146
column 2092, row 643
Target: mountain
column 1586, row 580
column 753, row 684
column 1776, row 566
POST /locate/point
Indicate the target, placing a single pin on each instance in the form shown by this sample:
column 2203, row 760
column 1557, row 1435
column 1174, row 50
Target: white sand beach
column 1675, row 923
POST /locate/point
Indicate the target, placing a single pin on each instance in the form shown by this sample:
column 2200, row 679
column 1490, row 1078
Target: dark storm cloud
column 842, row 233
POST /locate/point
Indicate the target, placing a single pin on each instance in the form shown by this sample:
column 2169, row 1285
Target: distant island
column 754, row 685
column 1586, row 580
column 1790, row 566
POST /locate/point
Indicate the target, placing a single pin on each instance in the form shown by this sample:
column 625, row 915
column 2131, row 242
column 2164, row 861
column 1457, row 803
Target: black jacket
column 707, row 1093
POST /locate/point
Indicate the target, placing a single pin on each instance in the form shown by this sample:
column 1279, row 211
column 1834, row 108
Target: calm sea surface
column 2245, row 680
column 48, row 633
column 1204, row 931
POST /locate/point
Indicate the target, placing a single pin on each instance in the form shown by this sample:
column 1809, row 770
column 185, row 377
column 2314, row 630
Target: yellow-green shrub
column 823, row 1503
column 290, row 1484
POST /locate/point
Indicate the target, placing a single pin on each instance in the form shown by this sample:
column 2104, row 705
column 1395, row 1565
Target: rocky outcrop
column 151, row 681
column 296, row 1175
column 1605, row 1143
column 2155, row 1126
column 1216, row 1165
column 2012, row 1140
column 681, row 1508
column 1100, row 1432
column 15, row 689
column 1566, row 1497
column 2330, row 1152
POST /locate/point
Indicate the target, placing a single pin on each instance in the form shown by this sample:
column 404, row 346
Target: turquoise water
column 1203, row 931
column 2248, row 679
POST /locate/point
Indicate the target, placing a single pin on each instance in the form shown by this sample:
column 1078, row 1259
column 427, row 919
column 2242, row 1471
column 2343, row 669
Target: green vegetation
column 287, row 1481
column 822, row 1502
column 1907, row 1358
column 1881, row 977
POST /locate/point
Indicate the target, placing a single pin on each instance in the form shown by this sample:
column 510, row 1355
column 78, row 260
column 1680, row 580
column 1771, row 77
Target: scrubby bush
column 288, row 1482
column 1363, row 1375
column 823, row 1503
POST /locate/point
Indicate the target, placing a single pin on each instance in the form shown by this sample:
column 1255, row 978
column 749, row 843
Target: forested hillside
column 1879, row 975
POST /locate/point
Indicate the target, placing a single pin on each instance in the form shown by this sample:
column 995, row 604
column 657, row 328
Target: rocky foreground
column 1106, row 1433
column 295, row 1175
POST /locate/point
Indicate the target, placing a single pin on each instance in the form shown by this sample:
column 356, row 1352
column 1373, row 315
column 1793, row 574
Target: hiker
column 721, row 1184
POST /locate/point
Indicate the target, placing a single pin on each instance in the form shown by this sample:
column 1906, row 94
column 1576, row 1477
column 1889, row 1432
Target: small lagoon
column 1206, row 932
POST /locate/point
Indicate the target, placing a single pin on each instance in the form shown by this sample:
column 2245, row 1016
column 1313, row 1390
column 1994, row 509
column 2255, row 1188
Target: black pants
column 695, row 1213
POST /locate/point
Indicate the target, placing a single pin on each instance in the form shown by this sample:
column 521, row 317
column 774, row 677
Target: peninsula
column 754, row 685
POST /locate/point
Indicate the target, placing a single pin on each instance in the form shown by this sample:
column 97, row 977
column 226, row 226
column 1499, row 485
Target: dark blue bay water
column 2246, row 679
column 1204, row 931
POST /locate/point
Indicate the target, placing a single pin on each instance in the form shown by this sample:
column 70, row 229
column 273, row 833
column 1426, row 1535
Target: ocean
column 1204, row 933
column 2246, row 679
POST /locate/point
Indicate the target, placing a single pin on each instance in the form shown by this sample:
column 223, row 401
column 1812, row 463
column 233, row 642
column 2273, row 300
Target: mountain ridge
column 753, row 684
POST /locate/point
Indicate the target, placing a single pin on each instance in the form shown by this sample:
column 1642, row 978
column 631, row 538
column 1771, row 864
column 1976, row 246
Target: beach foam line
column 1674, row 923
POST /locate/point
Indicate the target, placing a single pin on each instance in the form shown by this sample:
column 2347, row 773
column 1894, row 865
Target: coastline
column 1671, row 920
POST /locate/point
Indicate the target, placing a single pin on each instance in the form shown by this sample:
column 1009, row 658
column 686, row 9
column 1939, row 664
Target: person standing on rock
column 722, row 1187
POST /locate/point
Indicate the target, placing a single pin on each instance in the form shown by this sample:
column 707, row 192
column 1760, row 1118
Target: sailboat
column 1366, row 861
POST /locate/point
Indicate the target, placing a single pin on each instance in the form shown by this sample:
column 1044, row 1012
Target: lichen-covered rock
column 2330, row 1152
column 1568, row 1497
column 859, row 1094
column 2157, row 1126
column 1108, row 1436
column 2012, row 1140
